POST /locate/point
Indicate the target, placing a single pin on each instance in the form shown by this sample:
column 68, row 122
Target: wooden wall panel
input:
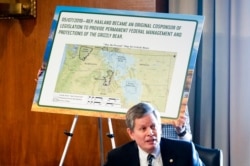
column 32, row 138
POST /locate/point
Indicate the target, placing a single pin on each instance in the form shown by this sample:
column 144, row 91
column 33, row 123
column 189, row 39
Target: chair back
column 210, row 157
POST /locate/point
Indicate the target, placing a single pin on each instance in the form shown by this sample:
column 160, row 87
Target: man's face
column 146, row 132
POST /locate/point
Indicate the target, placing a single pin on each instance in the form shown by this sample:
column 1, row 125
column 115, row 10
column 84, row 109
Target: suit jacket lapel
column 134, row 156
column 168, row 158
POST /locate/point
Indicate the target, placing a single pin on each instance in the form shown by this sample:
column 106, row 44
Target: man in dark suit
column 148, row 148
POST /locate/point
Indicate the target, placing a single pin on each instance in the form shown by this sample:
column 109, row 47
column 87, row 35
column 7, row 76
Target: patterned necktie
column 150, row 159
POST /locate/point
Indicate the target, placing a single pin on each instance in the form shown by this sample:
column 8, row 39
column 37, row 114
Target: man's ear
column 130, row 133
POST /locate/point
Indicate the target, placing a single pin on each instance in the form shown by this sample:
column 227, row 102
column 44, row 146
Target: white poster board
column 100, row 62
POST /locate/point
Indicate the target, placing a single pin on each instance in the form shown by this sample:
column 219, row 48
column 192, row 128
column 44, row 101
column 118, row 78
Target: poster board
column 100, row 62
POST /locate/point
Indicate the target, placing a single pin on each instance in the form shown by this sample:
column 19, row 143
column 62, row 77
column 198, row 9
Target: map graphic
column 115, row 76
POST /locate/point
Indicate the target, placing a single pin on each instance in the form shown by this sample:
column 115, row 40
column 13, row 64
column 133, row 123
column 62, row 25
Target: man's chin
column 152, row 146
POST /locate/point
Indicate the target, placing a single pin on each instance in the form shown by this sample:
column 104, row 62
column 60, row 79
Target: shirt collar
column 144, row 154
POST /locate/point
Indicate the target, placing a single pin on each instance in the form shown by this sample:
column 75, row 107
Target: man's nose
column 150, row 131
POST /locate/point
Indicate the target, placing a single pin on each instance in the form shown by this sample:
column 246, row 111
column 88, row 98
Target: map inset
column 121, row 76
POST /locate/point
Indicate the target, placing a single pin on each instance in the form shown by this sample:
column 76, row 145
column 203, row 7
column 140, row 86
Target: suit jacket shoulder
column 179, row 153
column 125, row 155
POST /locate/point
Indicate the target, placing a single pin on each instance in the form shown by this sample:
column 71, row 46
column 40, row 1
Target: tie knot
column 150, row 159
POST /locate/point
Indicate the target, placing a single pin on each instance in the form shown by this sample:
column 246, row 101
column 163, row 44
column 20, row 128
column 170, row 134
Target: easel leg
column 111, row 133
column 69, row 134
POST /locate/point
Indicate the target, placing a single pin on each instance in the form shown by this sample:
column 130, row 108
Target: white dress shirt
column 157, row 161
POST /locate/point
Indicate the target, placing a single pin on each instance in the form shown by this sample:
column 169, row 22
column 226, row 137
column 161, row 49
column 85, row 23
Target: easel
column 70, row 134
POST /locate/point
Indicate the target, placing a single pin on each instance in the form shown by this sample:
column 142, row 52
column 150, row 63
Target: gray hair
column 138, row 111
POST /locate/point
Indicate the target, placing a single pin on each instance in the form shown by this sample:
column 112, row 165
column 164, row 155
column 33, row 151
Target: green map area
column 126, row 75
